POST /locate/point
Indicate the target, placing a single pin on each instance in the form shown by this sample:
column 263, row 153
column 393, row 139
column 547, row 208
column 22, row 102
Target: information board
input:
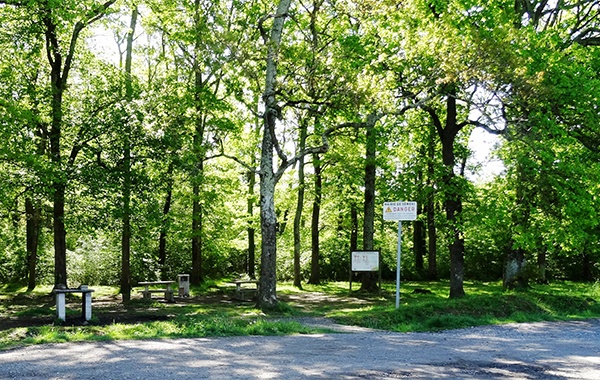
column 365, row 261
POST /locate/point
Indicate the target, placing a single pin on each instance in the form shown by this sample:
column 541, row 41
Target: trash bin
column 184, row 285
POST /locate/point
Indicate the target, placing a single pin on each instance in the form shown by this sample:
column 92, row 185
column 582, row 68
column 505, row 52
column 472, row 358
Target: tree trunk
column 514, row 270
column 431, row 228
column 57, row 83
column 33, row 210
column 33, row 215
column 164, row 228
column 315, row 268
column 59, row 178
column 432, row 239
column 419, row 241
column 126, row 232
column 60, row 244
column 251, row 231
column 162, row 238
column 353, row 227
column 196, row 275
column 587, row 267
column 299, row 207
column 541, row 262
column 369, row 279
column 515, row 276
column 453, row 201
column 267, row 297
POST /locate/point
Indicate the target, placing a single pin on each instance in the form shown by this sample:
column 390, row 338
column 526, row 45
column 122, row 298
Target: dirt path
column 566, row 350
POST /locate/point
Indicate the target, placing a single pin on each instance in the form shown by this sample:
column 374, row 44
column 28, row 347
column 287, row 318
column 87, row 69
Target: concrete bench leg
column 147, row 296
column 87, row 306
column 60, row 306
column 169, row 296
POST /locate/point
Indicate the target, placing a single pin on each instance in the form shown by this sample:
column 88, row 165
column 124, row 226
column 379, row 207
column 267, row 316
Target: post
column 398, row 264
column 87, row 305
column 60, row 306
column 399, row 211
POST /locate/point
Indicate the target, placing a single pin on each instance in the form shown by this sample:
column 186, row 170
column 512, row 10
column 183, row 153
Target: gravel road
column 563, row 350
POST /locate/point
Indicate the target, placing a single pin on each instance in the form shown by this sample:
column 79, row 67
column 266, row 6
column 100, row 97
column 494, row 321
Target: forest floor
column 34, row 309
column 212, row 310
column 212, row 335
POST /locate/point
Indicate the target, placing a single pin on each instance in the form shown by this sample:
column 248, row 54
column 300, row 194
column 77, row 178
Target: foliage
column 197, row 101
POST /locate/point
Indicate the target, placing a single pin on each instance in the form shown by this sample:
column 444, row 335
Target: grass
column 484, row 304
column 212, row 313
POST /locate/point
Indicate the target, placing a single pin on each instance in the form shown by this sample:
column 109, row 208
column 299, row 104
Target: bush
column 95, row 261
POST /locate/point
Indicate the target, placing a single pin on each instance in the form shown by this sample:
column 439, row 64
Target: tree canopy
column 145, row 139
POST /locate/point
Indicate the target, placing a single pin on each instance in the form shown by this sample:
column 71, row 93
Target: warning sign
column 399, row 210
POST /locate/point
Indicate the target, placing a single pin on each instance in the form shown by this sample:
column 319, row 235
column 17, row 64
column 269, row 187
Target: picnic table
column 86, row 303
column 242, row 292
column 147, row 292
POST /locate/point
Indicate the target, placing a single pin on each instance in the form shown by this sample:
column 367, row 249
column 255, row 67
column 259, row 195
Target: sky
column 482, row 144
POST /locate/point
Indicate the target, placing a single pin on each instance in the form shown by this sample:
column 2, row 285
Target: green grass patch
column 185, row 326
column 425, row 306
column 484, row 304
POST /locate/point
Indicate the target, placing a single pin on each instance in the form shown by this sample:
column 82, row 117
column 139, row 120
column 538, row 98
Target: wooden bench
column 245, row 293
column 86, row 303
column 147, row 292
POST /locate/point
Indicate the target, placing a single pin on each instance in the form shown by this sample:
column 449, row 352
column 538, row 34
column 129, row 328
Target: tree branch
column 96, row 14
column 484, row 126
column 264, row 32
column 372, row 119
column 280, row 153
column 437, row 123
column 244, row 164
column 92, row 16
column 588, row 37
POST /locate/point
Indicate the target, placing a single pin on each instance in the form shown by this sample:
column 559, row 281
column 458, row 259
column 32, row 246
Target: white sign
column 365, row 261
column 399, row 210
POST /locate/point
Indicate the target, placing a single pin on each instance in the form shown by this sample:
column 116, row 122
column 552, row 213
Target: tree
column 268, row 178
column 21, row 111
column 315, row 101
column 200, row 37
column 431, row 206
column 126, row 190
column 315, row 268
column 537, row 108
column 299, row 207
column 369, row 279
column 54, row 21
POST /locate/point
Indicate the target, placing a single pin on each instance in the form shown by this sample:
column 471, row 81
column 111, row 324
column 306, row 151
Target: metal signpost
column 399, row 211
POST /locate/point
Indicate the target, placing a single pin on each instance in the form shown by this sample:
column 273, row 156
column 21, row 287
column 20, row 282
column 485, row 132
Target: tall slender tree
column 267, row 296
column 61, row 62
column 126, row 190
column 369, row 279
